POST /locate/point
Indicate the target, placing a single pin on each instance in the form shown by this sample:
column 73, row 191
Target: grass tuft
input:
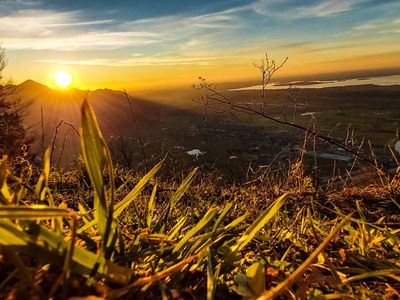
column 100, row 230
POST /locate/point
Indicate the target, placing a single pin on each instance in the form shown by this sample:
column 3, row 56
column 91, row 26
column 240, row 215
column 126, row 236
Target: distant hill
column 175, row 128
column 111, row 107
column 172, row 123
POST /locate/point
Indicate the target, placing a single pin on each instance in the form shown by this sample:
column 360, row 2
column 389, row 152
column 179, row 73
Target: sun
column 62, row 78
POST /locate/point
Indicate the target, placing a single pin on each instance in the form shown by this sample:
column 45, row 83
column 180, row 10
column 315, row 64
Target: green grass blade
column 151, row 205
column 86, row 216
column 47, row 164
column 35, row 212
column 259, row 223
column 95, row 161
column 222, row 216
column 3, row 172
column 256, row 278
column 236, row 222
column 39, row 186
column 175, row 230
column 209, row 216
column 182, row 188
column 124, row 203
column 211, row 282
column 3, row 179
column 47, row 245
column 10, row 235
column 120, row 206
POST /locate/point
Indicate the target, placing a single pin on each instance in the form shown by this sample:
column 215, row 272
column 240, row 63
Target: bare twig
column 267, row 68
column 42, row 124
column 219, row 98
column 53, row 143
column 128, row 98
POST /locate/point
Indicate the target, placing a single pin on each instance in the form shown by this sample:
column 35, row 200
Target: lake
column 317, row 84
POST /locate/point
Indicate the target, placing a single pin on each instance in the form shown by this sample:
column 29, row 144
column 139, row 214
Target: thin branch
column 220, row 98
column 128, row 98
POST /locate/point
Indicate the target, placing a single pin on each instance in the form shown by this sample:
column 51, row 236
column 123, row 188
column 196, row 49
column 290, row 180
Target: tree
column 267, row 68
column 13, row 133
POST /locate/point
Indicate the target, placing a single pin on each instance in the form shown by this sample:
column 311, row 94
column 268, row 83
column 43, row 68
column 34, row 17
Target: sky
column 145, row 43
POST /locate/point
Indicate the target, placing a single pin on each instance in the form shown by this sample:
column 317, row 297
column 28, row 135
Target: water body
column 317, row 84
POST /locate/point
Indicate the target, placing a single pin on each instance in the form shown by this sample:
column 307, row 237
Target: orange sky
column 172, row 45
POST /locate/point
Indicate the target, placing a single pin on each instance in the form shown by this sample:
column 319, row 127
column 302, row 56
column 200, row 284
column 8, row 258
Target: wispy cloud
column 374, row 27
column 288, row 9
column 141, row 61
column 182, row 26
column 324, row 9
column 84, row 42
column 52, row 30
column 70, row 31
column 266, row 7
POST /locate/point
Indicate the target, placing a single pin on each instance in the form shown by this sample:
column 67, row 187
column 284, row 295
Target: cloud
column 83, row 42
column 43, row 22
column 324, row 9
column 181, row 26
column 71, row 30
column 52, row 30
column 373, row 27
column 155, row 60
column 266, row 7
column 289, row 9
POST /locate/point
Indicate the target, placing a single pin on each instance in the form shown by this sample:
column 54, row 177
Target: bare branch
column 222, row 99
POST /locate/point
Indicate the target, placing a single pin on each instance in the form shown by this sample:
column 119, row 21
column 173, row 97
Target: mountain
column 59, row 110
column 175, row 128
column 172, row 123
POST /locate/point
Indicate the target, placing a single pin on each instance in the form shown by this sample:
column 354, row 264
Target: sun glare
column 62, row 78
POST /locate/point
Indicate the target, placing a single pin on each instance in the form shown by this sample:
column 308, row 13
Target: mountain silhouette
column 50, row 110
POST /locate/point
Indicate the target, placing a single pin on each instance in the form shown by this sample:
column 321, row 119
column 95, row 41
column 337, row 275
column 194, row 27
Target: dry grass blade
column 387, row 273
column 156, row 277
column 339, row 297
column 292, row 278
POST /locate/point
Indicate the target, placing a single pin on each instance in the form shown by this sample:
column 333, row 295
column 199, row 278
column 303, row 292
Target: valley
column 171, row 122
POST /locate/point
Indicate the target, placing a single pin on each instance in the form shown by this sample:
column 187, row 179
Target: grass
column 104, row 231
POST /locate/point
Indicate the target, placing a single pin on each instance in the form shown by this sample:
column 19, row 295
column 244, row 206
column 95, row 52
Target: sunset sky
column 139, row 44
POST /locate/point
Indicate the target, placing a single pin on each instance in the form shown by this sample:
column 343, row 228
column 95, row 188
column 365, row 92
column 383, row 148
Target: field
column 350, row 115
column 97, row 231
